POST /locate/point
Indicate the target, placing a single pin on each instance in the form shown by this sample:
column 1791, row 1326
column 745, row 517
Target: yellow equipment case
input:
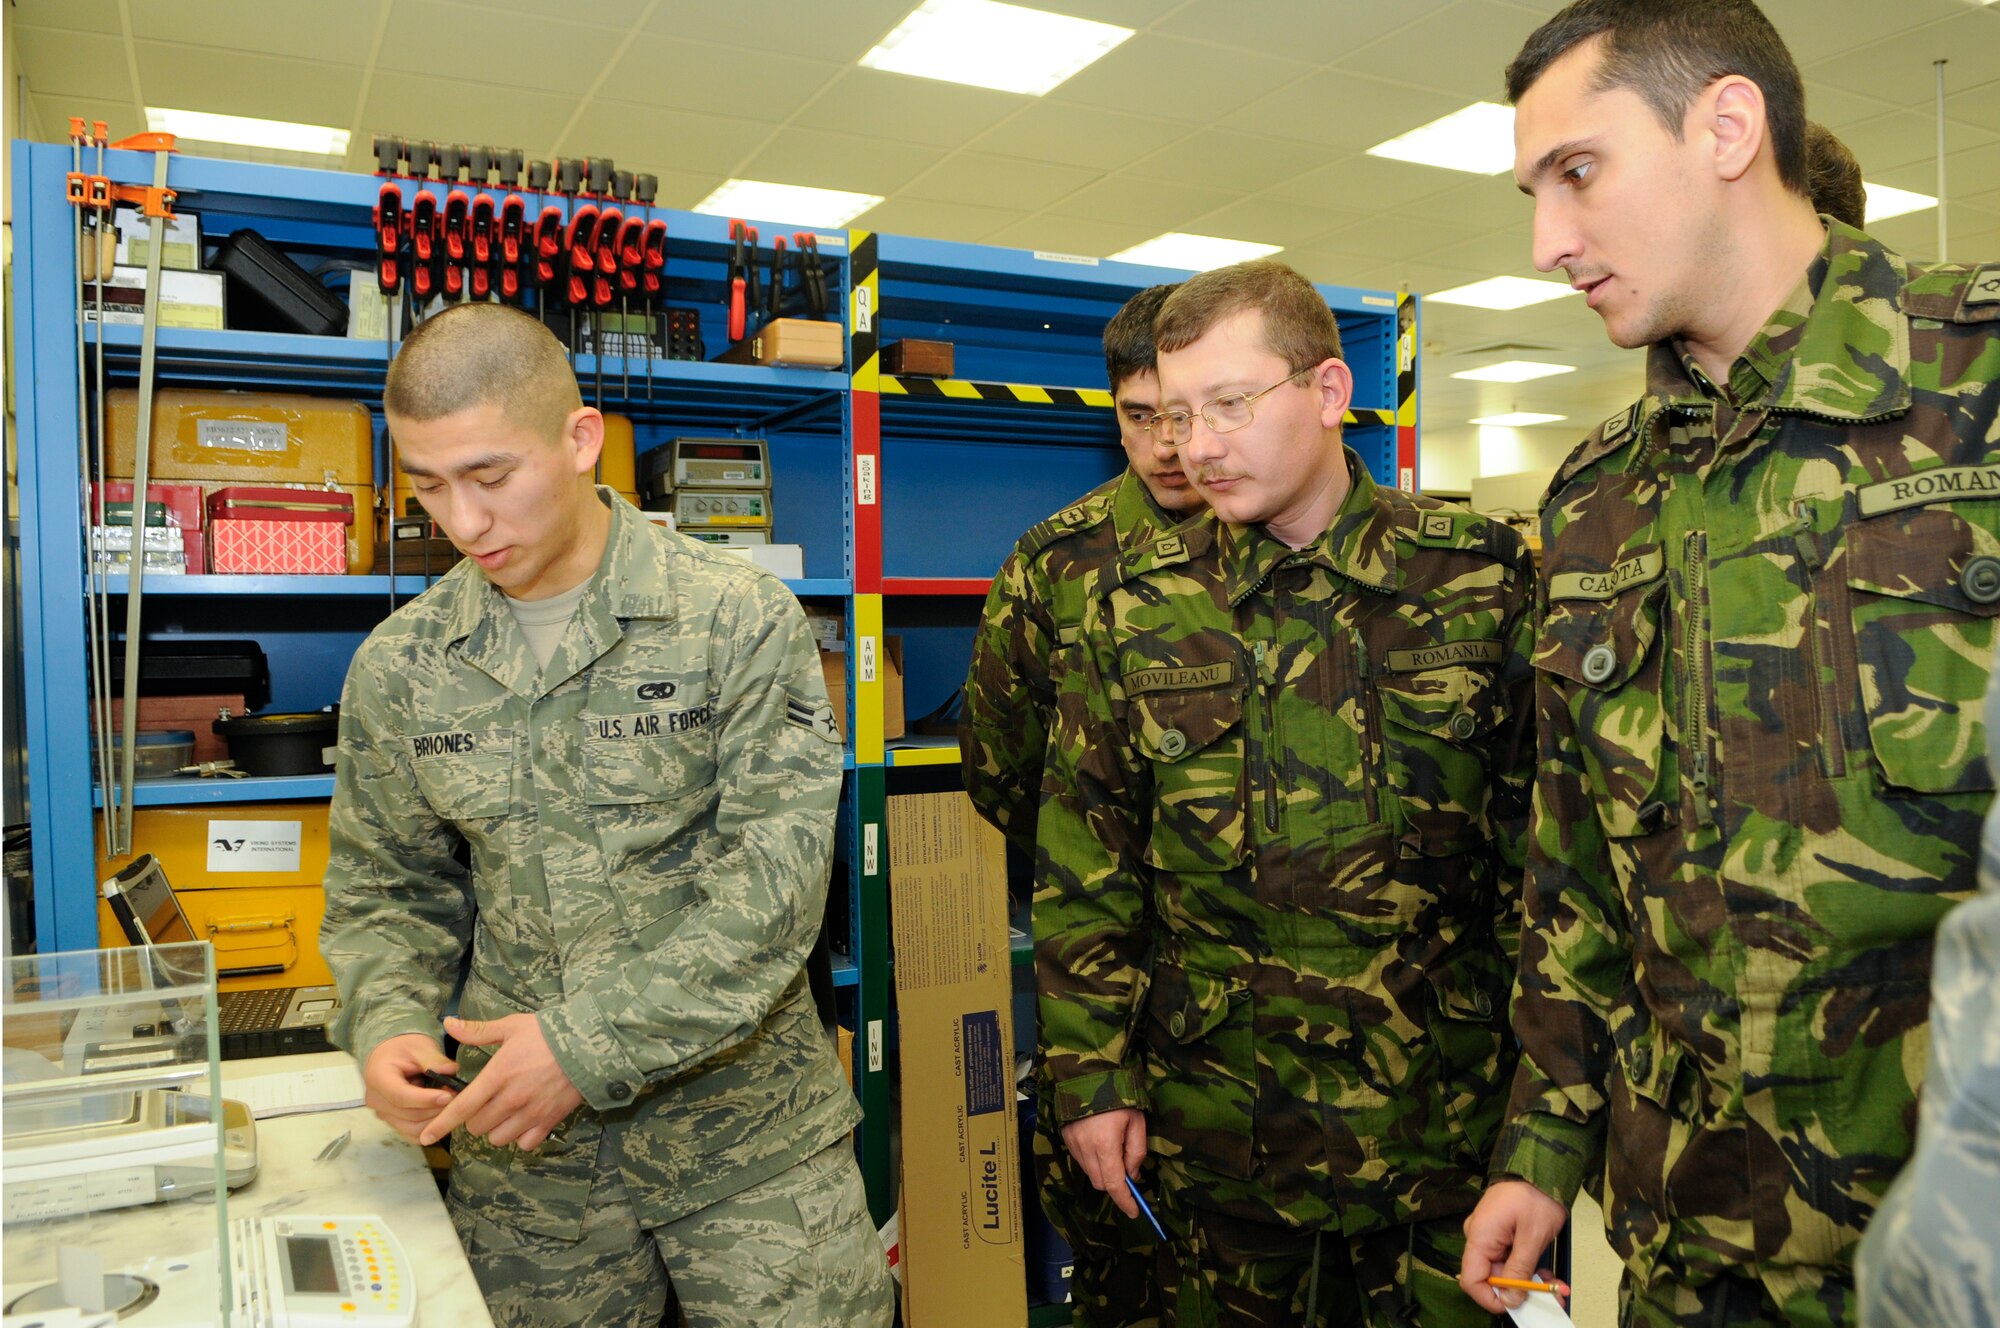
column 265, row 919
column 225, row 438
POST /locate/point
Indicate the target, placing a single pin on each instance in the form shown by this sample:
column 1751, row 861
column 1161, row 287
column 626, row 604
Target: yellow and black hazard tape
column 1027, row 394
column 1016, row 394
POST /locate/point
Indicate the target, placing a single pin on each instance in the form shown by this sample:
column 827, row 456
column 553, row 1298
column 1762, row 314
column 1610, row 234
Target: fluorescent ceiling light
column 1504, row 293
column 1885, row 202
column 1519, row 419
column 786, row 202
column 989, row 45
column 1515, row 371
column 281, row 135
column 1195, row 253
column 1479, row 139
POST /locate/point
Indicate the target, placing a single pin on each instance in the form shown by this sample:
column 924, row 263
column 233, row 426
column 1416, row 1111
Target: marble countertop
column 377, row 1173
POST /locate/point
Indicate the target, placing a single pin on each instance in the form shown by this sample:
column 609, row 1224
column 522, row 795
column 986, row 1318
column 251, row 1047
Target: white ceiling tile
column 1898, row 65
column 526, row 51
column 1125, row 13
column 1818, row 32
column 1317, row 32
column 415, row 106
column 717, row 80
column 654, row 137
column 841, row 32
column 838, row 161
column 1233, row 162
column 935, row 220
column 1488, row 202
column 1904, row 138
column 1975, row 106
column 984, row 180
column 1835, row 106
column 1269, row 220
column 1330, row 267
column 1125, row 198
column 121, row 118
column 1367, row 184
column 1496, row 253
column 1462, row 50
column 1070, row 235
column 201, row 78
column 1401, row 233
column 1183, row 80
column 924, row 110
column 1047, row 130
column 1343, row 111
column 619, row 14
column 99, row 16
column 76, row 64
column 335, row 31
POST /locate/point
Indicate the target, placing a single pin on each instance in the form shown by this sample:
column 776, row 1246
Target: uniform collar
column 1360, row 544
column 1135, row 513
column 1839, row 347
column 631, row 581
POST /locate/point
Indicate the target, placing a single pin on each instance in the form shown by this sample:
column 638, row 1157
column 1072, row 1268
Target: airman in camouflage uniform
column 1769, row 600
column 629, row 838
column 1278, row 873
column 1033, row 614
column 1931, row 1258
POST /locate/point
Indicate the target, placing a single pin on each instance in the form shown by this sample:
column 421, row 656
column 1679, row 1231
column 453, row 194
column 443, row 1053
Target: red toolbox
column 277, row 530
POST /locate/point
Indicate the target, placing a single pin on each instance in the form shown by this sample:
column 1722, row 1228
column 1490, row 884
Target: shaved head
column 484, row 354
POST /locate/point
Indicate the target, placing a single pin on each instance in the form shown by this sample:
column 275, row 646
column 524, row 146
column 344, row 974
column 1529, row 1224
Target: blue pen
column 1131, row 1185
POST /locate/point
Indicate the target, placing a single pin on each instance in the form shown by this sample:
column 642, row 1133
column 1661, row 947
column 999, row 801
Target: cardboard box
column 281, row 548
column 180, row 244
column 830, row 631
column 961, row 1220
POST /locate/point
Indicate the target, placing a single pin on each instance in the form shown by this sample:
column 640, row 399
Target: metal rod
column 149, row 338
column 1939, row 65
column 99, row 607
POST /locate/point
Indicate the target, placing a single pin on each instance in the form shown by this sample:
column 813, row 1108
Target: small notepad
column 291, row 1092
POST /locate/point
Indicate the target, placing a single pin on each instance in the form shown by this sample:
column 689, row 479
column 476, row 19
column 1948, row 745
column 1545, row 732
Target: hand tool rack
column 906, row 494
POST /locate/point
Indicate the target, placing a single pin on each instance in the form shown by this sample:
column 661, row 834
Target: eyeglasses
column 1225, row 414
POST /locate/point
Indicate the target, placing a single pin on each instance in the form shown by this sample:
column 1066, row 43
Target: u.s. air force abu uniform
column 1277, row 887
column 648, row 821
column 1769, row 620
column 1027, row 634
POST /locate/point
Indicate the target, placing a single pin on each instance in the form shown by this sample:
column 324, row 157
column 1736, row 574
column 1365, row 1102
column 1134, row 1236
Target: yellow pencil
column 1517, row 1284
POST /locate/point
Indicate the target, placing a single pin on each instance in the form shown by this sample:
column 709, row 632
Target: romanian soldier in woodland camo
column 1033, row 614
column 598, row 761
column 1769, row 595
column 1276, row 888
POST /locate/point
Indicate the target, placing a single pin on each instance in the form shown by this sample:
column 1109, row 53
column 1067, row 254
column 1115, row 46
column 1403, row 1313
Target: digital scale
column 293, row 1271
column 133, row 1148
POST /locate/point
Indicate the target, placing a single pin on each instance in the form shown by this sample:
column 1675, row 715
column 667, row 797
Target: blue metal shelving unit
column 907, row 495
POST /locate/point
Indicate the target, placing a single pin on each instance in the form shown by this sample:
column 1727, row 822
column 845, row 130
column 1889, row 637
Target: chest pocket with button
column 648, row 779
column 1607, row 658
column 1438, row 725
column 1925, row 591
column 1195, row 742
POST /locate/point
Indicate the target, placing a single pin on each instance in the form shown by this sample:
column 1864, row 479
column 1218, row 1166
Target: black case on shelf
column 197, row 668
column 268, row 292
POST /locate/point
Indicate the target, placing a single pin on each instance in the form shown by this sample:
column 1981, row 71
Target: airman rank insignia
column 815, row 718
